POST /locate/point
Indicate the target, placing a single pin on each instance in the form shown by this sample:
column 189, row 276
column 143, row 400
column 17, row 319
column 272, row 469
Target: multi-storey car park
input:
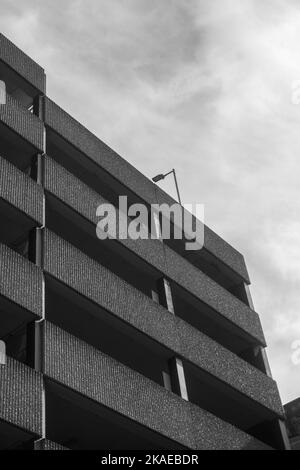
column 115, row 344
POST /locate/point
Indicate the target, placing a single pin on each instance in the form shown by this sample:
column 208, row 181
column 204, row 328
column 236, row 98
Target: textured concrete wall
column 86, row 370
column 20, row 280
column 97, row 283
column 21, row 396
column 21, row 191
column 214, row 295
column 45, row 444
column 85, row 201
column 22, row 64
column 73, row 362
column 24, row 123
column 57, row 119
column 292, row 410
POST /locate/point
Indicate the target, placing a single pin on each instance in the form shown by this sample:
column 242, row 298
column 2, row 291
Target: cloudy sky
column 205, row 86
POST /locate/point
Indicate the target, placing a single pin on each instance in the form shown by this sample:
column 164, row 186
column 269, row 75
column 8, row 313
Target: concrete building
column 292, row 411
column 115, row 344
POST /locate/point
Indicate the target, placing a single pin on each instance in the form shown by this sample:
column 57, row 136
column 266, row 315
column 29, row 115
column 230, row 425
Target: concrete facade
column 99, row 354
column 292, row 411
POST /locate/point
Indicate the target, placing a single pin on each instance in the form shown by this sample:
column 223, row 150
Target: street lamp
column 162, row 177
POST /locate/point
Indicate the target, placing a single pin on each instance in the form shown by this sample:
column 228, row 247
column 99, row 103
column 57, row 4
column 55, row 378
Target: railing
column 84, row 369
column 20, row 281
column 84, row 200
column 21, row 191
column 97, row 283
column 23, row 65
column 22, row 122
column 21, row 396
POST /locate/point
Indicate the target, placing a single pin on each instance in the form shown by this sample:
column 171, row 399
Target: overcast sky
column 204, row 86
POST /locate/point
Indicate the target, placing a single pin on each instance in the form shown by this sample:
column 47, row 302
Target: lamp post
column 162, row 177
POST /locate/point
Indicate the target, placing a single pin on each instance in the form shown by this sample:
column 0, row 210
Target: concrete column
column 174, row 381
column 40, row 169
column 38, row 346
column 178, row 378
column 259, row 351
column 264, row 360
column 39, row 247
column 155, row 296
column 284, row 435
column 157, row 227
column 38, row 107
column 165, row 294
column 167, row 380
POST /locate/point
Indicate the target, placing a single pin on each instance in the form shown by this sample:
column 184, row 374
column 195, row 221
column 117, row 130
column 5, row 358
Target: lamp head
column 158, row 178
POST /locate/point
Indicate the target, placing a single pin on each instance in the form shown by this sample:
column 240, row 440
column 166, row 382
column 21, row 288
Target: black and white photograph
column 149, row 229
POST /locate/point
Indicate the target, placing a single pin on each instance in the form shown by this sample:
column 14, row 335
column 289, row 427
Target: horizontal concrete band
column 22, row 64
column 23, row 123
column 87, row 143
column 45, row 444
column 73, row 363
column 97, row 283
column 20, row 191
column 20, row 281
column 85, row 201
column 21, row 396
